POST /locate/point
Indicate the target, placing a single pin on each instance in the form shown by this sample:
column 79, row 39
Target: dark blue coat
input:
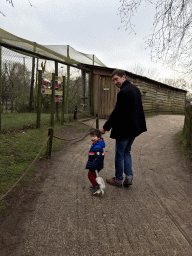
column 96, row 156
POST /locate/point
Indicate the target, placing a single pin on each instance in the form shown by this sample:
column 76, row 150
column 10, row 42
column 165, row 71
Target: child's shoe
column 96, row 190
column 91, row 187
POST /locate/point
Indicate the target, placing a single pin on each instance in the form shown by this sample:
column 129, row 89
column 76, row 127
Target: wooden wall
column 161, row 98
column 156, row 97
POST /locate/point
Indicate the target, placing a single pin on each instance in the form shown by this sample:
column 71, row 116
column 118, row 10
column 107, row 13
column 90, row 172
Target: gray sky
column 89, row 26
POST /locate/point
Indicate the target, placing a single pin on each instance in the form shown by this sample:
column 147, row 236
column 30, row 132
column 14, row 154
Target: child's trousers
column 92, row 177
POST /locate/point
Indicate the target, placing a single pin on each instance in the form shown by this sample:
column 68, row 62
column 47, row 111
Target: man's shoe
column 112, row 181
column 127, row 183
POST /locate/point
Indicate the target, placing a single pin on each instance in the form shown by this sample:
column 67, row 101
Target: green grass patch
column 18, row 147
column 18, row 121
column 147, row 114
column 15, row 121
column 17, row 151
column 151, row 114
column 182, row 142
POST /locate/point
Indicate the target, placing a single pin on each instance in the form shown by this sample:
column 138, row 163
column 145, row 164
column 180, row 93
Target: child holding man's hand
column 96, row 158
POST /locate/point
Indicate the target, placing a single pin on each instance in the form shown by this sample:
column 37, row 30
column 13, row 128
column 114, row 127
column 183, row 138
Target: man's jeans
column 123, row 161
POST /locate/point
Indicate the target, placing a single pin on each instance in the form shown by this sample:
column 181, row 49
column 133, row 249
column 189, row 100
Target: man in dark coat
column 126, row 122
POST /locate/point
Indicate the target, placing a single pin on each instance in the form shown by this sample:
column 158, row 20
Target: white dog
column 101, row 184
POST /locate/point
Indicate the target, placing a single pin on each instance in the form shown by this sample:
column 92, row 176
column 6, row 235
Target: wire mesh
column 16, row 77
column 19, row 91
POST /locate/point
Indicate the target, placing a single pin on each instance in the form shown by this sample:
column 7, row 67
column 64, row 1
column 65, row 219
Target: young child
column 96, row 158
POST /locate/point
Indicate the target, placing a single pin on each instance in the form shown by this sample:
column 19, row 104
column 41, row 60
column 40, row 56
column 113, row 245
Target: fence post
column 84, row 88
column 75, row 113
column 50, row 141
column 56, row 81
column 68, row 81
column 91, row 97
column 53, row 100
column 97, row 121
column 39, row 98
column 32, row 85
column 0, row 87
column 63, row 103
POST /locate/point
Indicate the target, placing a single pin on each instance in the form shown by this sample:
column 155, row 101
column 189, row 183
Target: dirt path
column 153, row 217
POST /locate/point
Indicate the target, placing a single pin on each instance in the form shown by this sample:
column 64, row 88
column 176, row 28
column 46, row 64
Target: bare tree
column 171, row 39
column 177, row 83
column 11, row 2
column 144, row 71
column 16, row 85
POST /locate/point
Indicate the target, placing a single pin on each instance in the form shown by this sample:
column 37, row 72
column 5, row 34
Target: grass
column 17, row 151
column 20, row 146
column 17, row 121
column 185, row 150
column 151, row 114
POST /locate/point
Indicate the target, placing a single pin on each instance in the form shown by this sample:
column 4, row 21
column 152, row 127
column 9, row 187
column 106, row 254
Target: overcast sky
column 89, row 26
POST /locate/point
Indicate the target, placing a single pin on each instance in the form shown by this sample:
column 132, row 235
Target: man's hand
column 102, row 131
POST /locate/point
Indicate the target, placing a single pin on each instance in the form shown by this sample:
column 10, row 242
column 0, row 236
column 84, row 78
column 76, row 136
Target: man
column 126, row 122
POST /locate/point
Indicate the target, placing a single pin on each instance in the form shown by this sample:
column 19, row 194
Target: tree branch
column 11, row 2
column 170, row 40
column 2, row 13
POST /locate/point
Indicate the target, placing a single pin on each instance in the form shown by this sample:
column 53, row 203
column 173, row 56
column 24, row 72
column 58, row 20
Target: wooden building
column 156, row 96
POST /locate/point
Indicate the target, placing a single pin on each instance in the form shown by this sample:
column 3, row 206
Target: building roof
column 107, row 71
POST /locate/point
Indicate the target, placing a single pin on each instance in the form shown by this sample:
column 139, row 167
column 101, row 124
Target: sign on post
column 49, row 91
column 57, row 99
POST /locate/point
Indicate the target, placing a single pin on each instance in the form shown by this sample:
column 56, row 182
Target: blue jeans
column 123, row 161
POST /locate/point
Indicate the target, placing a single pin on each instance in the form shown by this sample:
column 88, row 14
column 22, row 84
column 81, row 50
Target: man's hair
column 118, row 72
column 96, row 132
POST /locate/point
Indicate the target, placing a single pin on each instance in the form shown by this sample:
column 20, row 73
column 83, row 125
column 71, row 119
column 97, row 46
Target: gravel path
column 152, row 217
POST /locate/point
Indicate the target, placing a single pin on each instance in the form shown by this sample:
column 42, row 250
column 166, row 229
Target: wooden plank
column 96, row 88
column 102, row 72
column 154, row 96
